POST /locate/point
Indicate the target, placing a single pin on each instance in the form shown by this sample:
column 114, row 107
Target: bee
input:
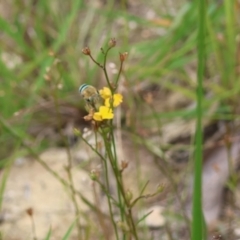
column 91, row 96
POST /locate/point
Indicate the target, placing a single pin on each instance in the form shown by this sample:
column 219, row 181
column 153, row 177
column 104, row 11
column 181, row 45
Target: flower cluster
column 110, row 101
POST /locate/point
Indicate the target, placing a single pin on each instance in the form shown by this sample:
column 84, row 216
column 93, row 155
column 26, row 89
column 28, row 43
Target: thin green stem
column 107, row 183
column 105, row 70
column 97, row 63
column 99, row 214
column 116, row 171
column 108, row 199
column 119, row 175
column 92, row 148
column 106, row 191
column 119, row 72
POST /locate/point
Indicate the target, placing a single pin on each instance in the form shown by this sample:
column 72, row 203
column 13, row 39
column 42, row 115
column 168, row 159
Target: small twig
column 30, row 214
column 143, row 196
column 101, row 66
column 119, row 72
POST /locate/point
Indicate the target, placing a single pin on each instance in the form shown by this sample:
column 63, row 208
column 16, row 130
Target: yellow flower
column 105, row 93
column 104, row 113
column 117, row 99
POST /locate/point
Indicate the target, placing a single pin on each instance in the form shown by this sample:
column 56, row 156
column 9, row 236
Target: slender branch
column 105, row 71
column 119, row 72
column 101, row 66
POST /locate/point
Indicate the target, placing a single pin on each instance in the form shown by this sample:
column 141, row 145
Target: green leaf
column 48, row 234
column 68, row 233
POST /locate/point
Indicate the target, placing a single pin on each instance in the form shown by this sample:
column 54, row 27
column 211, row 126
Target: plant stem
column 120, row 187
column 122, row 209
column 119, row 72
column 108, row 198
column 105, row 71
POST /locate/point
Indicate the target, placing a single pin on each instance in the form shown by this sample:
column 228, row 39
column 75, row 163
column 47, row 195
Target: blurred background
column 41, row 69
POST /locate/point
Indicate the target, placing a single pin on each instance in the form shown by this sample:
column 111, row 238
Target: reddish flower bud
column 124, row 164
column 123, row 56
column 29, row 211
column 86, row 51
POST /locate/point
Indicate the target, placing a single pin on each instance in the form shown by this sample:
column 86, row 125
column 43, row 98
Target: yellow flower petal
column 107, row 102
column 105, row 93
column 117, row 99
column 106, row 112
column 97, row 116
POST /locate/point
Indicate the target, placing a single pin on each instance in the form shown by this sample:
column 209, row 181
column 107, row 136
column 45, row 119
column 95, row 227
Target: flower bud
column 76, row 132
column 160, row 188
column 123, row 56
column 129, row 195
column 86, row 51
column 88, row 117
column 112, row 42
column 123, row 226
column 94, row 175
column 29, row 211
column 124, row 164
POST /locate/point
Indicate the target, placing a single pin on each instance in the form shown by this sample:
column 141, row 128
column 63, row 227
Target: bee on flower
column 91, row 97
column 99, row 104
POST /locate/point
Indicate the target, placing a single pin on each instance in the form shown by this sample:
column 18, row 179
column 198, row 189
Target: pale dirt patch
column 31, row 186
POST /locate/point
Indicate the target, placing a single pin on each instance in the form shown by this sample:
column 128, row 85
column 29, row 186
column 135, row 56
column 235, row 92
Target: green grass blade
column 16, row 35
column 197, row 215
column 67, row 234
column 48, row 234
column 62, row 36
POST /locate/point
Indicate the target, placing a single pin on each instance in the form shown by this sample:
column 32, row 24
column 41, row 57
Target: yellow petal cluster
column 117, row 100
column 105, row 93
column 106, row 111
